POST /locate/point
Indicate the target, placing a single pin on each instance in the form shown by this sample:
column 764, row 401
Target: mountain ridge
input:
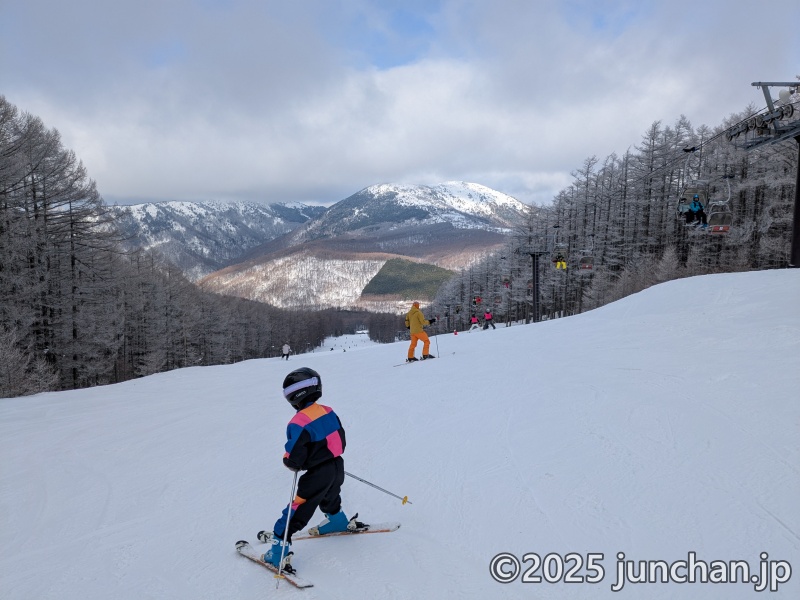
column 202, row 237
column 449, row 225
column 461, row 204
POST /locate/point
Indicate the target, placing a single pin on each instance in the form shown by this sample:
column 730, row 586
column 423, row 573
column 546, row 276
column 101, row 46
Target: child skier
column 315, row 444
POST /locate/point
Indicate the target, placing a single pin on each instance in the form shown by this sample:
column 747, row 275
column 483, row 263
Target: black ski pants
column 321, row 487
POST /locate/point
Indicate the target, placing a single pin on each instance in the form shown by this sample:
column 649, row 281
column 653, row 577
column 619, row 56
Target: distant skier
column 415, row 323
column 286, row 351
column 474, row 323
column 315, row 444
column 488, row 320
column 696, row 213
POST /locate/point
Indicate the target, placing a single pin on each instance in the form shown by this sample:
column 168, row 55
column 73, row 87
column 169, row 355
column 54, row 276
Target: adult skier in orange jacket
column 415, row 322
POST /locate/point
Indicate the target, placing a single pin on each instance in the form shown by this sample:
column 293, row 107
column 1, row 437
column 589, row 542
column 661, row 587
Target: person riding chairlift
column 696, row 213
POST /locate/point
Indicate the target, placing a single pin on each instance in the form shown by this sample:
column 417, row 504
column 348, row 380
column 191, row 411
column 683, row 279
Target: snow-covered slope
column 299, row 280
column 633, row 428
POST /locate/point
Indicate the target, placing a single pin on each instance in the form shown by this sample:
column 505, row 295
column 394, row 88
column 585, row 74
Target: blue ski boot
column 331, row 524
column 273, row 555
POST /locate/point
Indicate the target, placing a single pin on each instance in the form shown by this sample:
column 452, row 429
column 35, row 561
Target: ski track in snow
column 631, row 428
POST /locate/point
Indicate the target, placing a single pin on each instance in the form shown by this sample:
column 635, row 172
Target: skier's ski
column 264, row 536
column 373, row 528
column 411, row 362
column 245, row 549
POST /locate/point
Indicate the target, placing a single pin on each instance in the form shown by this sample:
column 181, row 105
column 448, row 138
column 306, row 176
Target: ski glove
column 432, row 321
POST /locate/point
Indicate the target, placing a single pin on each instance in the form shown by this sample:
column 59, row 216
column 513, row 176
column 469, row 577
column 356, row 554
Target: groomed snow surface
column 663, row 424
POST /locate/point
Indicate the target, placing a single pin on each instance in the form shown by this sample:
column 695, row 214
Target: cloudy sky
column 313, row 100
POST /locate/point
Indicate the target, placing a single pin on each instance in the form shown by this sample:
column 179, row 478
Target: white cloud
column 272, row 101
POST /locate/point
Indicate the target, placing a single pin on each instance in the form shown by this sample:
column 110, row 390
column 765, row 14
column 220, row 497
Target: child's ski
column 374, row 528
column 245, row 549
column 264, row 536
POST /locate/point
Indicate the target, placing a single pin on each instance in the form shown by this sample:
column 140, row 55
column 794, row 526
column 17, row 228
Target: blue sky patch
column 393, row 36
column 605, row 17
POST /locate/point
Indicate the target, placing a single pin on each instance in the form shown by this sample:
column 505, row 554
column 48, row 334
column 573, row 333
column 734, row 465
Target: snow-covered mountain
column 201, row 237
column 261, row 251
column 334, row 256
column 387, row 207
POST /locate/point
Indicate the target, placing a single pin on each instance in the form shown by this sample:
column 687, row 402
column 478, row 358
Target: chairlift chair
column 586, row 261
column 559, row 255
column 720, row 218
column 692, row 189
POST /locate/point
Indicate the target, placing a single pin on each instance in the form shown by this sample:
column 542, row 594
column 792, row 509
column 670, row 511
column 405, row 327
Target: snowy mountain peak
column 470, row 198
column 391, row 205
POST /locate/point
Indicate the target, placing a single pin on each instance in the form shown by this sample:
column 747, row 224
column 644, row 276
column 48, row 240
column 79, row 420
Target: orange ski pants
column 426, row 343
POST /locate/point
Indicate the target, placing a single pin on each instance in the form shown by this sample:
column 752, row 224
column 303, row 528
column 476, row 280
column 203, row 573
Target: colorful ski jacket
column 696, row 205
column 314, row 435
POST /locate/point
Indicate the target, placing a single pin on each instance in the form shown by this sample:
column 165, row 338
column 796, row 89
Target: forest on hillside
column 618, row 227
column 76, row 310
column 407, row 279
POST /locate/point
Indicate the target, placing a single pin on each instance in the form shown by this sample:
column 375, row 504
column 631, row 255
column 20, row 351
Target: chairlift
column 720, row 217
column 559, row 256
column 691, row 188
column 586, row 261
column 696, row 189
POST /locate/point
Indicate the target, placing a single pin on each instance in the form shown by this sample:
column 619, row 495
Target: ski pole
column 279, row 576
column 436, row 337
column 404, row 498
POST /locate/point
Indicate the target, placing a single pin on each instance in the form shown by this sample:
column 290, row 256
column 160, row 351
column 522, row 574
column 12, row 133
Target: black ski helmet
column 302, row 387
